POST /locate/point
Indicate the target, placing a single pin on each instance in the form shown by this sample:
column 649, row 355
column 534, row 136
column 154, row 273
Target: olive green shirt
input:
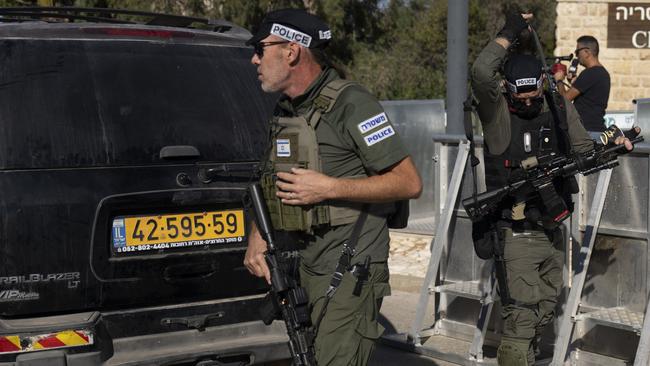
column 493, row 110
column 354, row 138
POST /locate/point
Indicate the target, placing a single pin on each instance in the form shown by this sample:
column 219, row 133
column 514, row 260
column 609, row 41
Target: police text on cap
column 291, row 35
column 526, row 81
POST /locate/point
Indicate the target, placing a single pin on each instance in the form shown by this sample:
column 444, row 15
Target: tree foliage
column 397, row 48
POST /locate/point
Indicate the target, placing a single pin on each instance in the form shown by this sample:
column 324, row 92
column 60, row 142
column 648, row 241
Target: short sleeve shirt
column 593, row 84
column 355, row 138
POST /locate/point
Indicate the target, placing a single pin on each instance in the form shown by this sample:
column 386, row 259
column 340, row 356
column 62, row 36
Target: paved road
column 398, row 312
column 389, row 356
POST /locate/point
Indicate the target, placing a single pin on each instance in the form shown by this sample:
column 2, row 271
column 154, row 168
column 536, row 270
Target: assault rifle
column 288, row 299
column 539, row 172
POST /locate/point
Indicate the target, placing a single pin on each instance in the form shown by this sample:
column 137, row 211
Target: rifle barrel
column 262, row 218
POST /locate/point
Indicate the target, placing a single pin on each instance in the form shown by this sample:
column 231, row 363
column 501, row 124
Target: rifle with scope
column 286, row 297
column 540, row 171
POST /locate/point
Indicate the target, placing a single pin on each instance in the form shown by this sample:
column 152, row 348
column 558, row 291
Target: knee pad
column 510, row 354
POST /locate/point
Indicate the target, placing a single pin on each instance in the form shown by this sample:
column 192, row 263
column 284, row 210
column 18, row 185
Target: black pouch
column 482, row 236
column 399, row 219
column 555, row 208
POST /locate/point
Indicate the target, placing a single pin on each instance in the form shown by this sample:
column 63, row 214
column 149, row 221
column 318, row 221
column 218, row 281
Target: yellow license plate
column 187, row 229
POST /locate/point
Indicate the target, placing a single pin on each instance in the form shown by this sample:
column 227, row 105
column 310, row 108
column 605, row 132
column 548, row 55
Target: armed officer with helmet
column 334, row 170
column 518, row 123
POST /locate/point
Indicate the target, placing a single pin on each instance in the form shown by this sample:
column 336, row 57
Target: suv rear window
column 93, row 103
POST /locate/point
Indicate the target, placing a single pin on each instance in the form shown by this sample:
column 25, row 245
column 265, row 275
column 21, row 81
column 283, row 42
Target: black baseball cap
column 523, row 73
column 294, row 25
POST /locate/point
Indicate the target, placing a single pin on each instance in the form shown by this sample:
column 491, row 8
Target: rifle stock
column 290, row 299
column 484, row 203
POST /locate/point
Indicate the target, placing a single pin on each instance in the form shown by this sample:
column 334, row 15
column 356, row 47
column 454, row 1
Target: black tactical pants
column 349, row 329
column 534, row 261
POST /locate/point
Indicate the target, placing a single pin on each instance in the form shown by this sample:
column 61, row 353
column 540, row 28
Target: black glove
column 632, row 132
column 515, row 23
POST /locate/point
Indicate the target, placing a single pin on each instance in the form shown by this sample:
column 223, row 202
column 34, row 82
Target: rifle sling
column 497, row 236
column 344, row 262
column 468, row 109
column 560, row 122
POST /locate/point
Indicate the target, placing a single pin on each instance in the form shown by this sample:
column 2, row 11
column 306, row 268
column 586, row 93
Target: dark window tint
column 96, row 103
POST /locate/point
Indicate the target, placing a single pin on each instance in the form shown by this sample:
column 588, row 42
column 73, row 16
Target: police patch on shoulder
column 283, row 148
column 373, row 122
column 379, row 136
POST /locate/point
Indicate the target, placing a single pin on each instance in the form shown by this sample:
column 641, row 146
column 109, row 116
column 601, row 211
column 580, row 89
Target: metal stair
column 616, row 317
column 481, row 291
column 426, row 338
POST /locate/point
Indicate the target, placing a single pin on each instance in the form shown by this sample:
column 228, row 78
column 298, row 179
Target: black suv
column 125, row 150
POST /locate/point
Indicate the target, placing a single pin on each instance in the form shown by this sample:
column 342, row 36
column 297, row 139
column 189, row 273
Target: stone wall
column 629, row 68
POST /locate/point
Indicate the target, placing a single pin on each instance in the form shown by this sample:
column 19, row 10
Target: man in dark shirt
column 590, row 91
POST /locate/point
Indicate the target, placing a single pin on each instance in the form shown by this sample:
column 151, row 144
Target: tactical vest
column 294, row 144
column 529, row 138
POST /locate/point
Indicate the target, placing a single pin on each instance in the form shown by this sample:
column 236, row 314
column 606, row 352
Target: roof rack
column 105, row 15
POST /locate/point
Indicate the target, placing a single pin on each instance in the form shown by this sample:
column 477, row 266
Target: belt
column 519, row 226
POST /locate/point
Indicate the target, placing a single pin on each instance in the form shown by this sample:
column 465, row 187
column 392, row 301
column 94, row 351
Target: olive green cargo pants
column 349, row 329
column 534, row 262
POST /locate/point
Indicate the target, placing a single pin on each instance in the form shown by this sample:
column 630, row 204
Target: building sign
column 628, row 25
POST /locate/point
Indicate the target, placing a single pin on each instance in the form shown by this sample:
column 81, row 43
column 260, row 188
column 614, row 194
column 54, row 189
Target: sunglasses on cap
column 258, row 47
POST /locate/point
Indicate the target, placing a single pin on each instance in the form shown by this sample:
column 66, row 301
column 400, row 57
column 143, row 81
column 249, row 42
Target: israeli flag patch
column 379, row 136
column 283, row 148
column 372, row 122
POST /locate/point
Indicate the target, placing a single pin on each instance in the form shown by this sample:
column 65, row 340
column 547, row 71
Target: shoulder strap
column 349, row 249
column 326, row 99
column 345, row 260
column 559, row 113
column 469, row 108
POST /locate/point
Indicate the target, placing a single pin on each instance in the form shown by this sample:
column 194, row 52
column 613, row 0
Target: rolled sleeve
column 485, row 72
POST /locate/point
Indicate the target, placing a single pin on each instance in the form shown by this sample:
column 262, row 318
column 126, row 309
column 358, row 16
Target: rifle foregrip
column 262, row 218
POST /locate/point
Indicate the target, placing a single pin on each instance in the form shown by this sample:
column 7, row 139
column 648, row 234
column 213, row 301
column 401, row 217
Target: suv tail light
column 37, row 342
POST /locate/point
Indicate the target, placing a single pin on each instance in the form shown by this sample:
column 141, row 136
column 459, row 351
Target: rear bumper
column 146, row 337
column 253, row 341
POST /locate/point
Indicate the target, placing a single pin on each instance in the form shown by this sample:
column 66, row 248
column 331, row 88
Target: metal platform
column 466, row 289
column 422, row 226
column 449, row 349
column 616, row 318
column 440, row 347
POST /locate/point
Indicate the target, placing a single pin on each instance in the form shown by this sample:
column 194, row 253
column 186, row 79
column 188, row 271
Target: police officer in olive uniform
column 333, row 155
column 517, row 124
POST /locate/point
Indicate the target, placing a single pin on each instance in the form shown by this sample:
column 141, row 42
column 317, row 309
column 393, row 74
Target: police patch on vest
column 290, row 34
column 283, row 148
column 380, row 135
column 373, row 122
